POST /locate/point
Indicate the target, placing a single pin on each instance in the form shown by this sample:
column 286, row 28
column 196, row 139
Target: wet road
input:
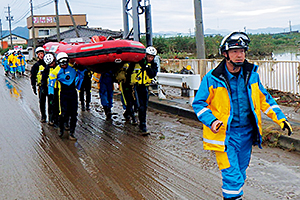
column 111, row 160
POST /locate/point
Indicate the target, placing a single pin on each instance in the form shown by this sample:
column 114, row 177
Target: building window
column 44, row 32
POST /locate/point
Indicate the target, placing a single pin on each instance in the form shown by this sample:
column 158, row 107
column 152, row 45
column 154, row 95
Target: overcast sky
column 168, row 15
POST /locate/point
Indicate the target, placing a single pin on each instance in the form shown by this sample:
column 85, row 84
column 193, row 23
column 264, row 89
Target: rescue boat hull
column 100, row 56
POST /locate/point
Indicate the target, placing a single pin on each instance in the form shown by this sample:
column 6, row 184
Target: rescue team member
column 53, row 106
column 69, row 79
column 229, row 104
column 21, row 63
column 141, row 75
column 85, row 90
column 12, row 60
column 127, row 94
column 106, row 92
column 39, row 66
column 5, row 64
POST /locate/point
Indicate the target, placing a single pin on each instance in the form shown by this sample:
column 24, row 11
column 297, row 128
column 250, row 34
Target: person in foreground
column 69, row 80
column 229, row 104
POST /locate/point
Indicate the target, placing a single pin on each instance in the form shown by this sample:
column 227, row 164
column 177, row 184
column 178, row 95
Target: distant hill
column 23, row 31
column 225, row 31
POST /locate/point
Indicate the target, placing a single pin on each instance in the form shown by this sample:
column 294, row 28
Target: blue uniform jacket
column 65, row 76
column 213, row 101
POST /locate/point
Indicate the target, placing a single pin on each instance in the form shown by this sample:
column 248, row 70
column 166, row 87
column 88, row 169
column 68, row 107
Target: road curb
column 176, row 110
column 289, row 143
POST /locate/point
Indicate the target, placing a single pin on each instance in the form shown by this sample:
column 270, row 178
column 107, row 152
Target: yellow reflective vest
column 39, row 75
column 140, row 76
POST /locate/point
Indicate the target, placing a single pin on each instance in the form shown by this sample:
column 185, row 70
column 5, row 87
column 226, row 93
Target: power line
column 28, row 11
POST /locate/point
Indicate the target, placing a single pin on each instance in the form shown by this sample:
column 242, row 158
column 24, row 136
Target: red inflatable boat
column 100, row 56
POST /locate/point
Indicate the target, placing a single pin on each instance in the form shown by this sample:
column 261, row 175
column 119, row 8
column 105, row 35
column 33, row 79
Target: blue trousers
column 106, row 94
column 238, row 153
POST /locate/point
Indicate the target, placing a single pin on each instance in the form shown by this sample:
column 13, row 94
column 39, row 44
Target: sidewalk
column 180, row 106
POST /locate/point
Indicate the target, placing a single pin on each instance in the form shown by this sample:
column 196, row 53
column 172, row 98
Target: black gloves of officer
column 34, row 90
column 286, row 125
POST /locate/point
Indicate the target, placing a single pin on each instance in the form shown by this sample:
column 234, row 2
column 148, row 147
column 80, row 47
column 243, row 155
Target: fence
column 278, row 75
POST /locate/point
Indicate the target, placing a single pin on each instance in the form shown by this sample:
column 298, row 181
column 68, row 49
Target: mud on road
column 111, row 160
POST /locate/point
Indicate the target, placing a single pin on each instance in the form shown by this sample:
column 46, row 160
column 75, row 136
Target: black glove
column 286, row 125
column 34, row 90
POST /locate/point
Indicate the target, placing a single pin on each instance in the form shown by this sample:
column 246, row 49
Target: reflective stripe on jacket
column 213, row 101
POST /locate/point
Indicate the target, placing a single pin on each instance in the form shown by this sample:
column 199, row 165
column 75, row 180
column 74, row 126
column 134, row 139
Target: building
column 16, row 40
column 85, row 35
column 45, row 25
column 45, row 29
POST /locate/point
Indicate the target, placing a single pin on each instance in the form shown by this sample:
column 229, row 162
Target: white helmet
column 48, row 58
column 39, row 49
column 151, row 51
column 62, row 58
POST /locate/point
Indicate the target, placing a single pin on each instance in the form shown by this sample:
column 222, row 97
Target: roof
column 86, row 34
column 6, row 34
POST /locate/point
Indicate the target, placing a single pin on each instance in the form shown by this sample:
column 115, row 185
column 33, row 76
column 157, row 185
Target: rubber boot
column 133, row 120
column 143, row 127
column 109, row 114
column 72, row 137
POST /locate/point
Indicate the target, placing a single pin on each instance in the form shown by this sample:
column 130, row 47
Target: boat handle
column 118, row 60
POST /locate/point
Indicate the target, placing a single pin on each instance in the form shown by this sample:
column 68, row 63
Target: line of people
column 14, row 63
column 56, row 81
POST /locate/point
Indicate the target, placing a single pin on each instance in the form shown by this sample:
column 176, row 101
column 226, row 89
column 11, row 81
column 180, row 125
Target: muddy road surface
column 110, row 160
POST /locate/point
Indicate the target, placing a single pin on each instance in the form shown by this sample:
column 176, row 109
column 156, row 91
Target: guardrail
column 277, row 75
column 188, row 81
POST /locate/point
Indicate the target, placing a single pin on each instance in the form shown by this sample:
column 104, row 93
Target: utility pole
column 199, row 30
column 57, row 21
column 33, row 30
column 136, row 24
column 1, row 34
column 125, row 19
column 9, row 19
column 290, row 25
column 148, row 23
column 72, row 18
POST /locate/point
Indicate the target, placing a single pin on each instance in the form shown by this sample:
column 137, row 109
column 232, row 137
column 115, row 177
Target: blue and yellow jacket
column 21, row 61
column 67, row 77
column 5, row 61
column 213, row 101
column 12, row 60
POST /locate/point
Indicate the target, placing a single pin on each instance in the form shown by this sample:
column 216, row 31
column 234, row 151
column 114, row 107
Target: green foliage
column 185, row 46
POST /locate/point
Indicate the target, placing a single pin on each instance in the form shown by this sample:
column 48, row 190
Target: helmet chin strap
column 235, row 64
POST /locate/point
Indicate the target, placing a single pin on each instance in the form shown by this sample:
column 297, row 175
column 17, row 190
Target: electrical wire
column 39, row 6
